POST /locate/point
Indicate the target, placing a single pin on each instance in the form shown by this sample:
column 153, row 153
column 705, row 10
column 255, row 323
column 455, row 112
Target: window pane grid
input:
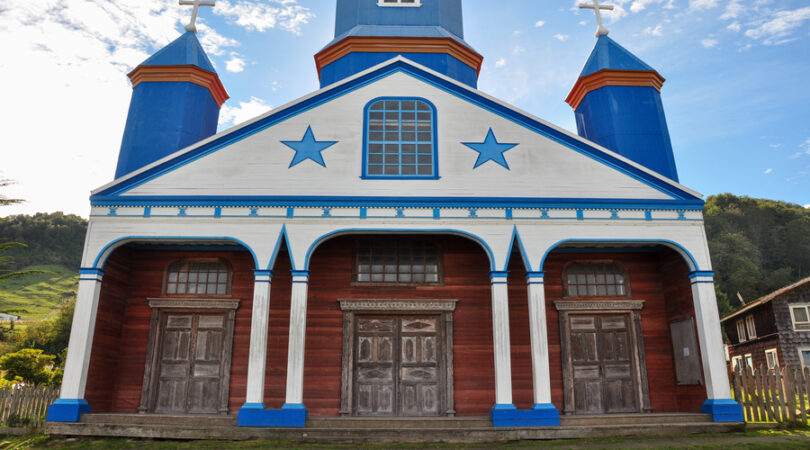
column 397, row 261
column 595, row 280
column 197, row 278
column 400, row 139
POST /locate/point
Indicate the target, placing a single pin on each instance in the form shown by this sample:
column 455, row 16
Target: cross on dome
column 192, row 25
column 596, row 7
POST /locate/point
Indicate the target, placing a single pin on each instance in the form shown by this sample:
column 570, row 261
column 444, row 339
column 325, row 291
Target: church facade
column 395, row 244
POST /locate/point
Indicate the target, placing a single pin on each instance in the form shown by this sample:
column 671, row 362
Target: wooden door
column 398, row 366
column 602, row 364
column 191, row 363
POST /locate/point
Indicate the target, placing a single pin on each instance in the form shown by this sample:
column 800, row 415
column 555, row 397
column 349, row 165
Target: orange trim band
column 181, row 74
column 610, row 77
column 398, row 45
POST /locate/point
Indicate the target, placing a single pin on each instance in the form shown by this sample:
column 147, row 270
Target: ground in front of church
column 752, row 439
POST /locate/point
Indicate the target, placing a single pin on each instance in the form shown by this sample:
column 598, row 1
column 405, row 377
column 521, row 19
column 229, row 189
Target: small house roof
column 766, row 299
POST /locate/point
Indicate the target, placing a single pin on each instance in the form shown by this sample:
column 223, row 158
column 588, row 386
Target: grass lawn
column 34, row 296
column 754, row 439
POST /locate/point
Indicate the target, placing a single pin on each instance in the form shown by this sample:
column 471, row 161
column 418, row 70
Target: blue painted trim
column 498, row 274
column 701, row 273
column 535, row 277
column 580, row 214
column 67, row 410
column 397, row 66
column 147, row 211
column 504, row 407
column 91, row 271
column 434, row 175
column 541, row 415
column 262, row 273
column 516, row 239
column 723, row 410
column 335, row 233
column 274, row 255
column 300, row 273
column 295, row 406
column 413, row 202
column 99, row 262
column 674, row 245
column 289, row 416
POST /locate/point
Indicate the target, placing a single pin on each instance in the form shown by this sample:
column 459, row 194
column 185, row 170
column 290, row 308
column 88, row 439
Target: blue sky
column 735, row 96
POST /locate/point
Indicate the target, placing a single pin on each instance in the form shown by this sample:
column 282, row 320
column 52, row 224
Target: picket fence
column 772, row 395
column 26, row 406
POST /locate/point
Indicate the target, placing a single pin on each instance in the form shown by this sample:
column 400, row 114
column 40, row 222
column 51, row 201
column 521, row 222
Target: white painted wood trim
column 500, row 337
column 257, row 359
column 81, row 339
column 539, row 340
column 710, row 338
column 295, row 352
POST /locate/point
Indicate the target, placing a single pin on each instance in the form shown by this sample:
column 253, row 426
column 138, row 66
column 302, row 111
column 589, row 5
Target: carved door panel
column 398, row 366
column 190, row 373
column 602, row 364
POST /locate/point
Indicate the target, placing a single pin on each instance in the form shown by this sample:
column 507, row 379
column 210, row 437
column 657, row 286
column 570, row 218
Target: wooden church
column 396, row 244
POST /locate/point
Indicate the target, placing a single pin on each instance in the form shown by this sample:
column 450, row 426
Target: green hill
column 34, row 296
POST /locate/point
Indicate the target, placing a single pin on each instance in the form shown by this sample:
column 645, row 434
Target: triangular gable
column 114, row 190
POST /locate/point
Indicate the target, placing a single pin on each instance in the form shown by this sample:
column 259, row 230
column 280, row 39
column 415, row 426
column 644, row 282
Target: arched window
column 400, row 139
column 198, row 277
column 595, row 279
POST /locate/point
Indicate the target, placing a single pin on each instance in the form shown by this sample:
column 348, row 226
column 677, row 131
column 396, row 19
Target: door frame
column 160, row 308
column 353, row 307
column 631, row 308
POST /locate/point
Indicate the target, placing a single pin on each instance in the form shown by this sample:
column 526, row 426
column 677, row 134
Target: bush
column 28, row 364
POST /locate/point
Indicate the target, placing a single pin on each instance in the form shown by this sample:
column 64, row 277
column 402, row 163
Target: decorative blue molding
column 101, row 257
column 327, row 212
column 648, row 215
column 681, row 215
column 254, row 212
column 147, row 211
column 544, row 214
column 300, row 273
column 723, row 410
column 701, row 273
column 289, row 416
column 580, row 214
column 490, row 150
column 67, row 410
column 218, row 211
column 541, row 415
column 262, row 273
column 508, row 213
column 437, row 213
column 400, row 212
column 340, row 89
column 363, row 213
column 672, row 244
column 112, row 212
column 614, row 214
column 473, row 213
column 308, row 148
column 290, row 212
column 182, row 211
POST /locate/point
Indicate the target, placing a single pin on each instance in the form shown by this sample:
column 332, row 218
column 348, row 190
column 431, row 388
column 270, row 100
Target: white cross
column 192, row 25
column 595, row 6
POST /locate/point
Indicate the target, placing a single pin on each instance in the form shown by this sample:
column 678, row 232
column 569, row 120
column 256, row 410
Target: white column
column 539, row 337
column 500, row 338
column 709, row 335
column 81, row 334
column 257, row 360
column 298, row 325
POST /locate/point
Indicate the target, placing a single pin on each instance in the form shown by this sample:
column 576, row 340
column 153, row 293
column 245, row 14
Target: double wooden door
column 603, row 363
column 398, row 366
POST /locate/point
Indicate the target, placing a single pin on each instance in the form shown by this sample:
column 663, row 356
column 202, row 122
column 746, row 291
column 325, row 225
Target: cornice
column 611, row 77
column 180, row 74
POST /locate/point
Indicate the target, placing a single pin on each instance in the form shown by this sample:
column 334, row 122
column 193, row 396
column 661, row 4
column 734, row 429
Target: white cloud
column 235, row 64
column 778, row 28
column 213, row 42
column 734, row 26
column 286, row 14
column 708, row 42
column 702, row 5
column 539, row 23
column 641, row 5
column 500, row 63
column 657, row 31
column 733, row 10
column 795, row 155
column 561, row 37
column 245, row 111
column 768, row 172
column 583, row 22
column 807, row 206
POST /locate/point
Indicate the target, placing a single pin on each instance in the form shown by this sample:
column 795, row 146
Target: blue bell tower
column 369, row 32
column 176, row 97
column 617, row 102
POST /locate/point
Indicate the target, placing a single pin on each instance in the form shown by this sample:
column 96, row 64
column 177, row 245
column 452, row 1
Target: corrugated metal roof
column 766, row 298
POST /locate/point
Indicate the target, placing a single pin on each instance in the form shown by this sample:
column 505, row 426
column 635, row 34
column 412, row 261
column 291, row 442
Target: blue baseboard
column 67, row 410
column 541, row 415
column 289, row 416
column 723, row 410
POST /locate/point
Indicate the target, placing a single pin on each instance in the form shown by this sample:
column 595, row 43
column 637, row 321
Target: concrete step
column 196, row 420
column 399, row 422
column 382, row 435
column 632, row 419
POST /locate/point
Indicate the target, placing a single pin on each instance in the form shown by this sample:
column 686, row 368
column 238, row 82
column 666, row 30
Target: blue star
column 308, row 148
column 490, row 150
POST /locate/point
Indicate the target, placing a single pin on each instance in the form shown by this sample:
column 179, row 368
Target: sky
column 736, row 96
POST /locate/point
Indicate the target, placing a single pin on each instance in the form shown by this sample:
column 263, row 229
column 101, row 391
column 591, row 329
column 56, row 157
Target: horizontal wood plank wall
column 465, row 278
column 104, row 358
column 145, row 270
column 646, row 271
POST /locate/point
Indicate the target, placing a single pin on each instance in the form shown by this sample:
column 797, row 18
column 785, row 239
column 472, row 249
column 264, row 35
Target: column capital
column 262, row 276
column 701, row 276
column 498, row 276
column 535, row 277
column 300, row 276
column 90, row 274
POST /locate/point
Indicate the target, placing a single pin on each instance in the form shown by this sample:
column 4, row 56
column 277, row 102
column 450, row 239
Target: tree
column 28, row 364
column 52, row 333
column 6, row 260
column 5, row 201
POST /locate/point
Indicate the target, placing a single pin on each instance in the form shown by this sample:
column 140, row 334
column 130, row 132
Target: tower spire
column 597, row 7
column 192, row 24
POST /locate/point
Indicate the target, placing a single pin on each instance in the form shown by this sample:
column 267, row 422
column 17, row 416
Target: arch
column 350, row 231
column 685, row 254
column 101, row 257
column 516, row 241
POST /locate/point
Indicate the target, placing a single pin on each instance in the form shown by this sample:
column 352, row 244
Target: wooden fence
column 26, row 406
column 772, row 395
